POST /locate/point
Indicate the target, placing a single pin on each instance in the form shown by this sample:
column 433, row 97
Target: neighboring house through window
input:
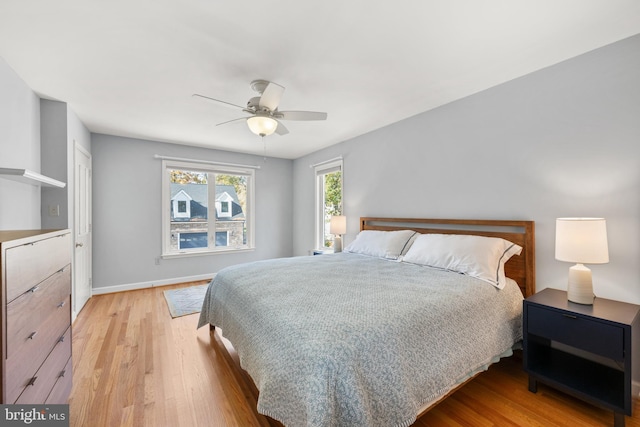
column 189, row 189
column 181, row 205
column 328, row 199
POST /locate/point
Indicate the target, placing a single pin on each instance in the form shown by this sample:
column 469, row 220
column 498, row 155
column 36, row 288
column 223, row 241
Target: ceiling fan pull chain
column 264, row 145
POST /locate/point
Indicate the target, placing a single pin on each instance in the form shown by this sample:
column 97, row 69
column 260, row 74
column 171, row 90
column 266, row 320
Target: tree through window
column 328, row 200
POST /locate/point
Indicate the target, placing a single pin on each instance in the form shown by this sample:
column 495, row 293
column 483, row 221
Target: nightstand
column 588, row 351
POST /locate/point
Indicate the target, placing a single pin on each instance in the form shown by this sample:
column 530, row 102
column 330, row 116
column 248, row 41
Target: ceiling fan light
column 262, row 125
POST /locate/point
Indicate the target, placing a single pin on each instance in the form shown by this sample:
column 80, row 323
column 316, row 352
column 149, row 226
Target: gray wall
column 563, row 141
column 19, row 148
column 60, row 131
column 53, row 152
column 127, row 211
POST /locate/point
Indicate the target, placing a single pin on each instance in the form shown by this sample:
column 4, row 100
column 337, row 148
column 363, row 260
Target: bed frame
column 520, row 268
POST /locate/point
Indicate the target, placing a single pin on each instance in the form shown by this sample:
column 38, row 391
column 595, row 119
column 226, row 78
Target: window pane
column 222, row 238
column 193, row 240
column 189, row 212
column 332, row 189
column 231, row 205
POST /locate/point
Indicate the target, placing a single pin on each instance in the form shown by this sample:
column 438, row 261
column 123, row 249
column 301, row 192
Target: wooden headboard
column 521, row 268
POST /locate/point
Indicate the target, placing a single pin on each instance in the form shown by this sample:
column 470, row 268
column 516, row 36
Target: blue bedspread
column 350, row 340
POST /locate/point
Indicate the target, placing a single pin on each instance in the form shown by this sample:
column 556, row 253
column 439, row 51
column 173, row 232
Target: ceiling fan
column 264, row 116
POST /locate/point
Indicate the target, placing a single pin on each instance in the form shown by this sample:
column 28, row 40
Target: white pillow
column 477, row 256
column 382, row 244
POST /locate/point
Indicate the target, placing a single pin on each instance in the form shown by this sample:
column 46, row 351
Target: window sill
column 204, row 253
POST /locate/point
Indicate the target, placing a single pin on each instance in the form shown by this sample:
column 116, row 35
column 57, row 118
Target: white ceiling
column 129, row 67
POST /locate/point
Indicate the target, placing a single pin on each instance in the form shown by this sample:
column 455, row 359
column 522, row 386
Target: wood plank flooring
column 136, row 366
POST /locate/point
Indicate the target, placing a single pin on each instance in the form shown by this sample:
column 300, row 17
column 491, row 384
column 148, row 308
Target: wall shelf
column 30, row 177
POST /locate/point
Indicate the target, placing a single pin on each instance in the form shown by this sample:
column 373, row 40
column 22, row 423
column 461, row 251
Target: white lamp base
column 337, row 243
column 580, row 288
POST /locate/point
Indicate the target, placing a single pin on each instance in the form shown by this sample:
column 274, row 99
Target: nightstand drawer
column 577, row 331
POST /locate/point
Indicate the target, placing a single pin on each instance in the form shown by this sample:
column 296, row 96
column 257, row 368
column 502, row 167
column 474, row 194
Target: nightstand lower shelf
column 587, row 380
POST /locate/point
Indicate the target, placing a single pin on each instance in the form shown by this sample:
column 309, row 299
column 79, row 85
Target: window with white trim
column 207, row 208
column 328, row 200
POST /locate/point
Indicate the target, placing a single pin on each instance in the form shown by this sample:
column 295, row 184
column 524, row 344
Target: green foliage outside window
column 333, row 194
column 332, row 202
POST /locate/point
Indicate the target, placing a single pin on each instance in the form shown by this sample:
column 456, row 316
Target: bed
column 378, row 334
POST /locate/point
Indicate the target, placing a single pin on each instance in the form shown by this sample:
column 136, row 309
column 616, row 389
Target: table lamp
column 583, row 241
column 338, row 227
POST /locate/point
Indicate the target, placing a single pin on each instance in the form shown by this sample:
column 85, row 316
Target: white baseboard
column 150, row 284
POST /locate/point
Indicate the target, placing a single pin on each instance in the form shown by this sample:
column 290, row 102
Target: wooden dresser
column 36, row 316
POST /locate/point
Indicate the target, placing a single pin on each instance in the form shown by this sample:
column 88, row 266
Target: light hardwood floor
column 136, row 366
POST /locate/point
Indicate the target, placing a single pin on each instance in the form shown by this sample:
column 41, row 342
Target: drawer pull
column 62, row 304
column 32, row 381
column 61, row 339
column 62, row 373
column 569, row 316
column 32, row 334
column 35, row 288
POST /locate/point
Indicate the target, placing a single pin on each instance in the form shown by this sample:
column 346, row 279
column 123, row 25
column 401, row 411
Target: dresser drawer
column 577, row 331
column 30, row 264
column 38, row 385
column 31, row 352
column 62, row 389
column 27, row 313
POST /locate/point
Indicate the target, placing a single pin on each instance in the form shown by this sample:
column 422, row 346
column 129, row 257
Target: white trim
column 326, row 161
column 81, row 149
column 635, row 387
column 151, row 284
column 30, row 177
column 225, row 250
column 208, row 162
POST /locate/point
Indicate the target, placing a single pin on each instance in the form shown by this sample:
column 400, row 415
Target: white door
column 82, row 230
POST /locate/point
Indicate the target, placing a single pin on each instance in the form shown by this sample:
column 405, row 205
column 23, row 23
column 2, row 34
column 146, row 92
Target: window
column 192, row 240
column 222, row 238
column 328, row 200
column 189, row 226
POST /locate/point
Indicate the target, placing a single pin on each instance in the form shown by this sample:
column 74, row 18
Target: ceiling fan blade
column 217, row 101
column 301, row 115
column 281, row 130
column 271, row 96
column 231, row 121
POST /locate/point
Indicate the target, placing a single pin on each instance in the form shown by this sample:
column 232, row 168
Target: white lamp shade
column 262, row 125
column 338, row 225
column 582, row 240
